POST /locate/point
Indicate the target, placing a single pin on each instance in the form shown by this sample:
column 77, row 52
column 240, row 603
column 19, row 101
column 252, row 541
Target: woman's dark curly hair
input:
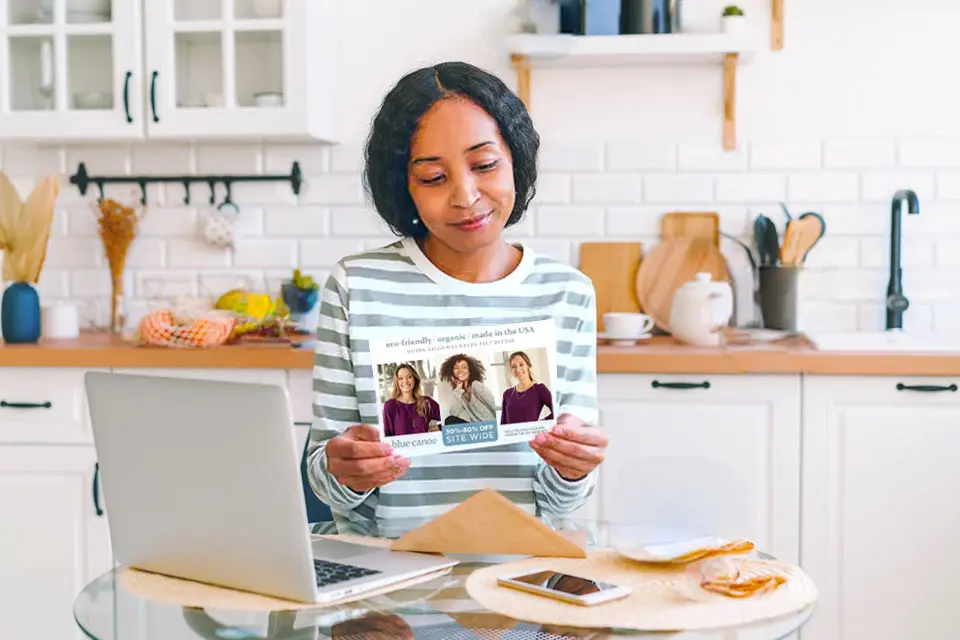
column 477, row 371
column 387, row 152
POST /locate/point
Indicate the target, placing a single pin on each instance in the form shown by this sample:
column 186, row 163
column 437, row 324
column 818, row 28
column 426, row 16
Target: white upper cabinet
column 166, row 69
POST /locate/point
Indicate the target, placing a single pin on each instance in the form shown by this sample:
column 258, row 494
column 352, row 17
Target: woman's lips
column 474, row 223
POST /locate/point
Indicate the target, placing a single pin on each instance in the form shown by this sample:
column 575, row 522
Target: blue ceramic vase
column 20, row 314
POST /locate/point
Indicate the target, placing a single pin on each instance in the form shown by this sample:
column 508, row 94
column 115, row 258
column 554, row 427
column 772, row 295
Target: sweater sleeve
column 547, row 399
column 482, row 398
column 577, row 395
column 335, row 404
column 388, row 419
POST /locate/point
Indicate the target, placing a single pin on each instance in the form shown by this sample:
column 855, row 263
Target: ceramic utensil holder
column 779, row 296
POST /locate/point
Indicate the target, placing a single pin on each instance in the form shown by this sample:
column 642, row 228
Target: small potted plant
column 732, row 20
column 300, row 295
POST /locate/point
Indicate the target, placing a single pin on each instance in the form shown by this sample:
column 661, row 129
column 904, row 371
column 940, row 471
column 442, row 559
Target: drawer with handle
column 43, row 406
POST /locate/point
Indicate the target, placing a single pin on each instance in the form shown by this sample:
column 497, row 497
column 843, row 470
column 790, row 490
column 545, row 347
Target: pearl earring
column 416, row 221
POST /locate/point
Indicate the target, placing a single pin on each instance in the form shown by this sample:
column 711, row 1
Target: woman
column 525, row 401
column 472, row 400
column 408, row 411
column 451, row 161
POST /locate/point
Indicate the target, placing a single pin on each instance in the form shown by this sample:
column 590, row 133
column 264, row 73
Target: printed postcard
column 466, row 388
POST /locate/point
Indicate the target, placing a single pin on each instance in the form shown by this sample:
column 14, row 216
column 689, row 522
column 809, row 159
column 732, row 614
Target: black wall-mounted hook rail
column 83, row 180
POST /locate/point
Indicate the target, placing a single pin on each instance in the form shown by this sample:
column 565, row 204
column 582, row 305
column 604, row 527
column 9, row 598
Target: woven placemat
column 188, row 593
column 664, row 598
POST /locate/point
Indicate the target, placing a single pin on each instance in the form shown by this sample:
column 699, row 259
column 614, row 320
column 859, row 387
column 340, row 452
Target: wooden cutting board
column 613, row 268
column 671, row 264
column 700, row 224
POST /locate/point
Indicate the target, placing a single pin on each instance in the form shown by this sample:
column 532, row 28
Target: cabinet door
column 880, row 480
column 52, row 542
column 70, row 69
column 227, row 68
column 704, row 454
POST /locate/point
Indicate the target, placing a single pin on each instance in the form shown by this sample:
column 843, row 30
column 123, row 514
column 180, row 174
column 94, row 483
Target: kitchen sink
column 894, row 340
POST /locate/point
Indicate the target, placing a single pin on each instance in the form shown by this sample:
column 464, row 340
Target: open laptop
column 201, row 481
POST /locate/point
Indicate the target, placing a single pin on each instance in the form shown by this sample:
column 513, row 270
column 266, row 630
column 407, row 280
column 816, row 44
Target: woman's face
column 405, row 380
column 461, row 175
column 461, row 370
column 519, row 369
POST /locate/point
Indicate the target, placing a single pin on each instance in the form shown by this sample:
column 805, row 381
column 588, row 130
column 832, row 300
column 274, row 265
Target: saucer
column 623, row 341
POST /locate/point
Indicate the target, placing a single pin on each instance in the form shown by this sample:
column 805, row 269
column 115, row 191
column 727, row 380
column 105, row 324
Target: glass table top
column 438, row 609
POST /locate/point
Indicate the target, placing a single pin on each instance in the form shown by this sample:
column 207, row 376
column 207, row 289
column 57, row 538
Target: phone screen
column 564, row 583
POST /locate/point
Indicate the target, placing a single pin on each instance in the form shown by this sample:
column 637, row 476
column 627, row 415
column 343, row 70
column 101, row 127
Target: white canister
column 61, row 320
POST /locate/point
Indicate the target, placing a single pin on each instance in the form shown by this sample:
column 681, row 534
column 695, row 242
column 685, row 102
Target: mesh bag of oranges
column 170, row 328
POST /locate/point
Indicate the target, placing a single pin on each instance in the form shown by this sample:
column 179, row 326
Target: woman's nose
column 464, row 193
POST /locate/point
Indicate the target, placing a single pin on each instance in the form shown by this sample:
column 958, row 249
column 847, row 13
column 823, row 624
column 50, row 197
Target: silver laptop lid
column 201, row 480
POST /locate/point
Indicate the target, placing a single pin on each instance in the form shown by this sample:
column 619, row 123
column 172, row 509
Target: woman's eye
column 487, row 166
column 431, row 180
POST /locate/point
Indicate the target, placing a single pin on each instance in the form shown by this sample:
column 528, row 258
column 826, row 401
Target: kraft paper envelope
column 489, row 524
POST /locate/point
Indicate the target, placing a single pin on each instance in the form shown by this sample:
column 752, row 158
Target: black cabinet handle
column 96, row 488
column 126, row 96
column 925, row 387
column 656, row 384
column 24, row 405
column 153, row 96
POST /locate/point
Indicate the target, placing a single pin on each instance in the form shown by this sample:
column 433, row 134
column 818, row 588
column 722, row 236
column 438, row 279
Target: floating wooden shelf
column 571, row 51
column 776, row 25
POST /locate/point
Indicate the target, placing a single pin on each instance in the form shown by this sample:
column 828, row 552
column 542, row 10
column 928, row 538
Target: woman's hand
column 360, row 461
column 572, row 447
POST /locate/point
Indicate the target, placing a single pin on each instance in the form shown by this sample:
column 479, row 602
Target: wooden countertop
column 659, row 355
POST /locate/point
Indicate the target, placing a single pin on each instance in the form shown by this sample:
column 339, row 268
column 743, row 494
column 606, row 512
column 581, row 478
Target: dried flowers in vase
column 118, row 226
column 24, row 235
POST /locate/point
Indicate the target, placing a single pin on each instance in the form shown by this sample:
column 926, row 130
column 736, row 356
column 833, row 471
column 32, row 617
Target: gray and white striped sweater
column 394, row 291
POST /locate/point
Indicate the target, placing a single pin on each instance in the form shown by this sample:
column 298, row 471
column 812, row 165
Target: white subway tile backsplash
column 587, row 190
column 260, row 253
column 793, row 155
column 880, row 186
column 930, row 153
column 569, row 221
column 751, row 187
column 553, row 188
column 193, row 253
column 641, row 156
column 662, row 188
column 833, row 186
column 607, row 189
column 571, row 156
column 299, row 221
column 710, row 158
column 859, row 153
column 332, row 189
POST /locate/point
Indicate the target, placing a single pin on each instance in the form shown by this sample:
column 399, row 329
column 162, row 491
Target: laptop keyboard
column 333, row 572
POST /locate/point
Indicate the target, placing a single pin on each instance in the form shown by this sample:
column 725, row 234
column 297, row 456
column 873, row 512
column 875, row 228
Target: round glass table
column 439, row 609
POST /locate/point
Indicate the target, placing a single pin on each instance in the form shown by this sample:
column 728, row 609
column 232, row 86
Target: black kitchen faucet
column 897, row 303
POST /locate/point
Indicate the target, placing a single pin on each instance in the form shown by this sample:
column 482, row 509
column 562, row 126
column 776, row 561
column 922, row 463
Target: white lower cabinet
column 711, row 454
column 52, row 540
column 880, row 515
column 874, row 459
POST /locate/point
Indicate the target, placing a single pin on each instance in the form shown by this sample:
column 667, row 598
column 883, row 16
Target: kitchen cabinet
column 53, row 540
column 55, row 536
column 709, row 454
column 880, row 520
column 232, row 69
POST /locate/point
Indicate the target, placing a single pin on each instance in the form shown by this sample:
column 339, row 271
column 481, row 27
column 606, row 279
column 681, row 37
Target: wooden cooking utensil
column 671, row 264
column 701, row 224
column 800, row 236
column 613, row 268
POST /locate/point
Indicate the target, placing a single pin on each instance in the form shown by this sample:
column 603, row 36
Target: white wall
column 861, row 102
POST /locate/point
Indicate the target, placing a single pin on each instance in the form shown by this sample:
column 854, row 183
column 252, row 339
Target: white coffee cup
column 61, row 320
column 627, row 325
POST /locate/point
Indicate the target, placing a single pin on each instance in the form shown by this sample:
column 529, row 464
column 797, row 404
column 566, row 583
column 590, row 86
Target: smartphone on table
column 564, row 586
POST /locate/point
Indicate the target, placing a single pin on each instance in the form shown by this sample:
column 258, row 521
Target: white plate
column 672, row 552
column 623, row 341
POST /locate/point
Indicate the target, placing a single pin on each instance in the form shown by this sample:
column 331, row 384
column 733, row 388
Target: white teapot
column 701, row 309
